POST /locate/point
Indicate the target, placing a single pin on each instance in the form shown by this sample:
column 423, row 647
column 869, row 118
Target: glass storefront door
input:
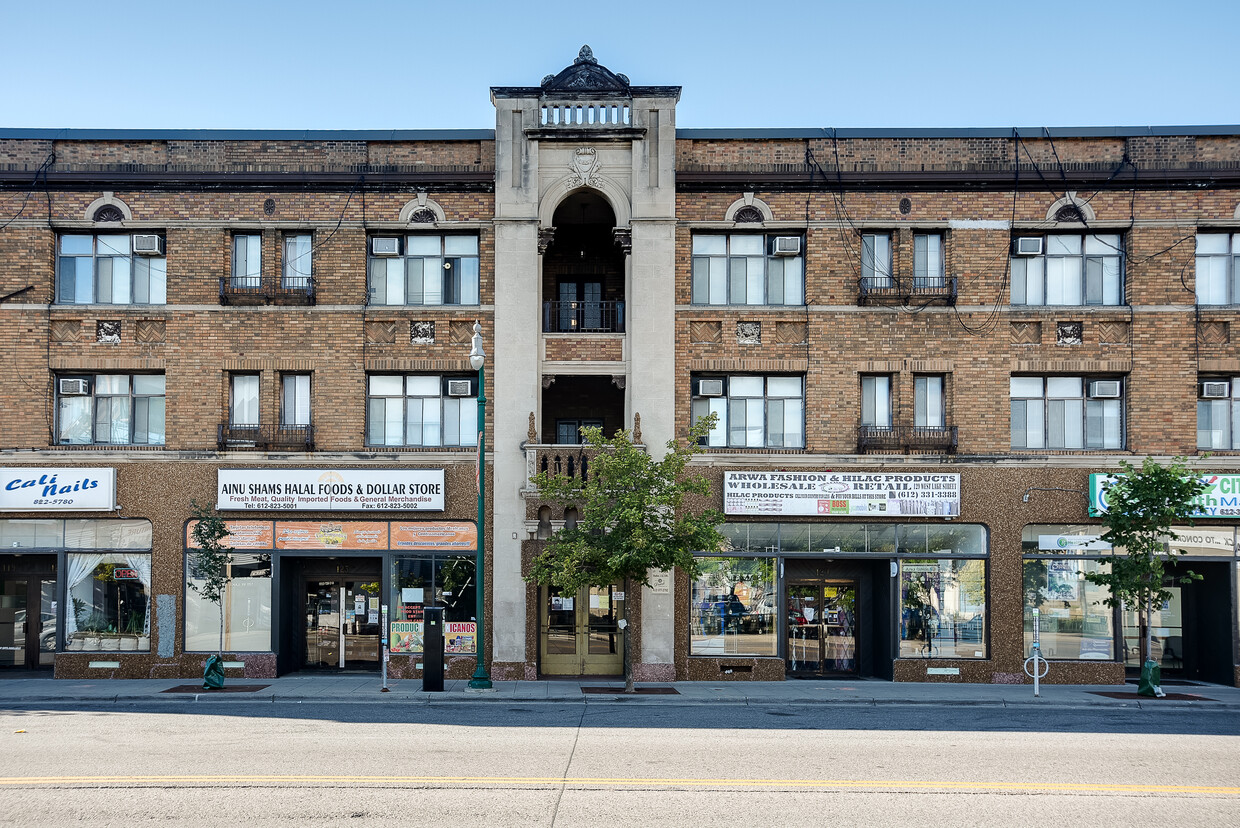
column 27, row 622
column 342, row 624
column 822, row 628
column 581, row 633
column 1167, row 643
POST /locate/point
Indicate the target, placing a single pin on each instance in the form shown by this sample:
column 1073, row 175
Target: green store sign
column 1221, row 499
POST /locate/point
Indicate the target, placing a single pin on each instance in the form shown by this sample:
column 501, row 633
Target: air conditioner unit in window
column 148, row 245
column 710, row 388
column 460, row 387
column 1215, row 390
column 1027, row 246
column 786, row 246
column 1104, row 389
column 385, row 246
column 74, row 387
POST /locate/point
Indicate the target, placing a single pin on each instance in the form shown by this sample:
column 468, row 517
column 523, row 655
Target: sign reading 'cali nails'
column 29, row 489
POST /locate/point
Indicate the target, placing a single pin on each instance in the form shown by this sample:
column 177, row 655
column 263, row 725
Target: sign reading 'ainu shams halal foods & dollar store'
column 345, row 490
column 840, row 493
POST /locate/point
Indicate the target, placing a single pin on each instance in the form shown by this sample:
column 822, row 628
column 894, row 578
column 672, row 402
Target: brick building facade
column 982, row 317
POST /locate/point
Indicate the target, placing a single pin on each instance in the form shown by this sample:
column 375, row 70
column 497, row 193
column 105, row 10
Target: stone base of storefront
column 514, row 671
column 742, row 668
column 119, row 665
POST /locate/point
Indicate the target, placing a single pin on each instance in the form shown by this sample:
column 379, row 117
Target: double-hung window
column 1218, row 413
column 111, row 269
column 927, row 261
column 243, row 400
column 928, row 408
column 297, row 251
column 1071, row 269
column 876, row 259
column 110, row 409
column 421, row 410
column 752, row 411
column 748, row 269
column 247, row 269
column 1218, row 268
column 295, row 400
column 1067, row 413
column 424, row 270
column 876, row 401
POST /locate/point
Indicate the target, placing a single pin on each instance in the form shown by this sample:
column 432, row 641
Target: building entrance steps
column 365, row 689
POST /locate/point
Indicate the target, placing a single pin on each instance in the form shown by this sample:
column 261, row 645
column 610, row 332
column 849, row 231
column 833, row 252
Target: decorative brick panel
column 1069, row 333
column 790, row 333
column 108, row 332
column 1114, row 332
column 66, row 330
column 1026, row 333
column 380, row 331
column 422, row 332
column 748, row 333
column 1214, row 333
column 150, row 330
column 461, row 330
column 706, row 332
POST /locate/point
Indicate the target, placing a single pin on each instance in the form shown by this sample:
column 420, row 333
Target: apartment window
column 876, row 259
column 876, row 401
column 928, row 409
column 422, row 410
column 1218, row 413
column 1068, row 270
column 111, row 269
column 752, row 411
column 295, row 400
column 243, row 400
column 1218, row 255
column 297, row 253
column 927, row 260
column 424, row 270
column 247, row 269
column 748, row 269
column 1067, row 413
column 110, row 409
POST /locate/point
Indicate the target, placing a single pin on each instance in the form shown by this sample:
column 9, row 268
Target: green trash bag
column 1151, row 679
column 213, row 674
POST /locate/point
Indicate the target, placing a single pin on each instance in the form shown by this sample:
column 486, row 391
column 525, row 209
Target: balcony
column 297, row 290
column 887, row 290
column 265, row 437
column 583, row 317
column 906, row 439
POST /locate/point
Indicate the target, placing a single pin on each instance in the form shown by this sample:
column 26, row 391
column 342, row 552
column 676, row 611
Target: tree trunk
column 220, row 603
column 628, row 644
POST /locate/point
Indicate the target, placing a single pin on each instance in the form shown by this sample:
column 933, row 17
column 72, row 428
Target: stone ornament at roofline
column 585, row 74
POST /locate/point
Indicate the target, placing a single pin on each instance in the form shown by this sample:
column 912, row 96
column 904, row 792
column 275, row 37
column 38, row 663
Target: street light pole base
column 480, row 681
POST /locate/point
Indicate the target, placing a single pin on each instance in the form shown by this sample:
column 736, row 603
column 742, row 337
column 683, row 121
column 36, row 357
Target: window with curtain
column 110, row 409
column 109, row 601
column 297, row 251
column 748, row 269
column 104, row 269
column 1071, row 270
column 425, row 270
column 421, row 410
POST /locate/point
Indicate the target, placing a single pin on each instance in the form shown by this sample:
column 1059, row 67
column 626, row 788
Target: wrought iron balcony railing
column 279, row 290
column 265, row 437
column 905, row 438
column 583, row 317
column 888, row 290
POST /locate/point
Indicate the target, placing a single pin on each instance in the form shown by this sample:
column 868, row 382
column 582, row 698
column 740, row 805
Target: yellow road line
column 619, row 782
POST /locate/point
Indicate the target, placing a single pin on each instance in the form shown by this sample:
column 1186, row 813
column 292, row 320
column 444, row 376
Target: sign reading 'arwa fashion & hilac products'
column 347, row 490
column 840, row 493
column 28, row 489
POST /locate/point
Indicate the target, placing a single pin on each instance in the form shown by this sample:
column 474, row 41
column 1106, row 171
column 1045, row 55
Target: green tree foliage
column 1142, row 504
column 636, row 515
column 212, row 560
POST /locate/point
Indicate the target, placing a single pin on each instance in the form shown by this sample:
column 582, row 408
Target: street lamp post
column 477, row 358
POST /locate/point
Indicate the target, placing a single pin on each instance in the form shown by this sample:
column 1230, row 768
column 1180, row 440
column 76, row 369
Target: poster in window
column 1062, row 582
column 460, row 637
column 406, row 637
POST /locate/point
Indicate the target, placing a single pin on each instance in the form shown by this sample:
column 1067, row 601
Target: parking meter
column 432, row 650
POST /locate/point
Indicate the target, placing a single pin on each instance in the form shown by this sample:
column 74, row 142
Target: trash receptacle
column 213, row 673
column 432, row 650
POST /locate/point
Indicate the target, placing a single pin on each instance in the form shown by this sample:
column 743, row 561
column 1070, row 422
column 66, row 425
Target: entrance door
column 27, row 622
column 342, row 624
column 822, row 628
column 580, row 308
column 581, row 633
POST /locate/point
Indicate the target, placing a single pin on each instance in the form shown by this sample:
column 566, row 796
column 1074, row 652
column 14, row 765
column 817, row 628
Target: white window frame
column 422, row 415
column 244, row 400
column 429, row 269
column 114, row 414
column 755, row 411
column 297, row 264
column 929, row 401
column 247, row 260
column 134, row 279
column 1218, row 419
column 1090, row 275
column 1062, row 416
column 741, row 269
column 876, row 400
column 295, row 399
column 876, row 266
column 928, row 261
column 1218, row 268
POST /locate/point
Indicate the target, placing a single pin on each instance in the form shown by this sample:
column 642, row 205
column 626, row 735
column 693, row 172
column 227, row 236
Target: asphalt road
column 237, row 762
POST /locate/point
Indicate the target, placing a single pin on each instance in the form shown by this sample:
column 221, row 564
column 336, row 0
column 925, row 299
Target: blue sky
column 418, row 64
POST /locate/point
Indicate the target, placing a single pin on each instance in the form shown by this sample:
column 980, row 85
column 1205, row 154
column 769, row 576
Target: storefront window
column 109, row 602
column 941, row 539
column 107, row 534
column 1074, row 622
column 31, row 534
column 752, row 537
column 246, row 605
column 433, row 581
column 733, row 608
column 943, row 608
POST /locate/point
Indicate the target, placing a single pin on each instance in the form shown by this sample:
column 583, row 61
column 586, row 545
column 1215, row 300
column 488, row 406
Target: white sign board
column 1064, row 543
column 323, row 490
column 57, row 490
column 840, row 493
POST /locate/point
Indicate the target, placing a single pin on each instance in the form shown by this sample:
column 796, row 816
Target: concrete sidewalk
column 355, row 689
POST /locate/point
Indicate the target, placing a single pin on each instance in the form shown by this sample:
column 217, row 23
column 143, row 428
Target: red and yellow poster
column 242, row 534
column 437, row 535
column 332, row 534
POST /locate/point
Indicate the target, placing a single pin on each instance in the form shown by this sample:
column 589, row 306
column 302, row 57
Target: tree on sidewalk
column 1139, row 506
column 211, row 566
column 634, row 518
